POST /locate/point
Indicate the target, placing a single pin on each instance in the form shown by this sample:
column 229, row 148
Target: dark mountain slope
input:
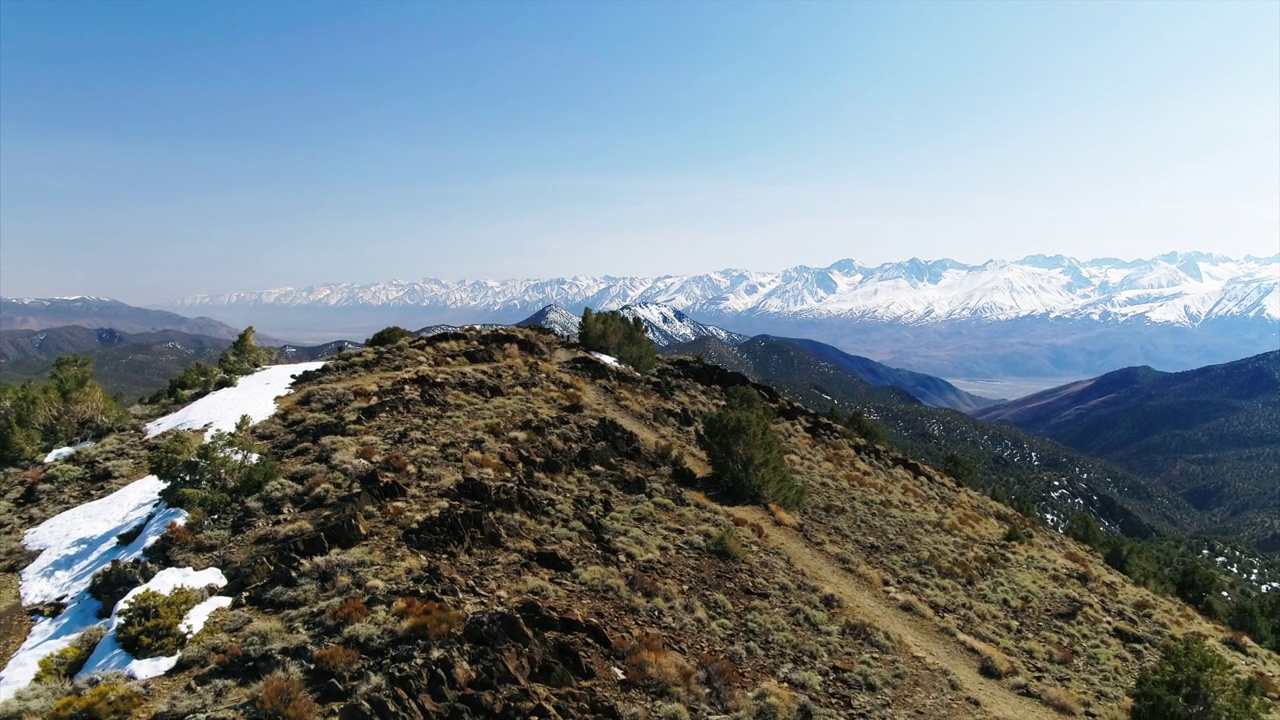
column 1057, row 480
column 928, row 389
column 797, row 363
column 16, row 345
column 44, row 313
column 20, row 345
column 129, row 365
column 1210, row 435
column 791, row 369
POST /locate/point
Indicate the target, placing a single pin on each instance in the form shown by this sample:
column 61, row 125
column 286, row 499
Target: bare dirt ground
column 14, row 621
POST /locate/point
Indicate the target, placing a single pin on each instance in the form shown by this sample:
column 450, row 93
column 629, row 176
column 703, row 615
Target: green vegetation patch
column 149, row 625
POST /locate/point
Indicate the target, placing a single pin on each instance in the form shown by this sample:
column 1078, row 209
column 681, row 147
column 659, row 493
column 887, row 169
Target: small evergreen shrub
column 745, row 452
column 1017, row 534
column 873, row 432
column 612, row 334
column 64, row 664
column 244, row 356
column 149, row 625
column 69, row 407
column 1190, row 682
column 388, row 336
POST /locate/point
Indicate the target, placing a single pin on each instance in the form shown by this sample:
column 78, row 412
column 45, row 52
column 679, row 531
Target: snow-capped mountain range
column 1182, row 289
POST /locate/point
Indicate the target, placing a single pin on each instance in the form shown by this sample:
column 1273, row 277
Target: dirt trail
column 14, row 622
column 919, row 637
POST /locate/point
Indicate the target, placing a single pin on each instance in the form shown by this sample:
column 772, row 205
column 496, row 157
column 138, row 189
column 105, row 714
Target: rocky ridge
column 494, row 524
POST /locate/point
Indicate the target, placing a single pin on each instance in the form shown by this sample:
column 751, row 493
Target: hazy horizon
column 150, row 152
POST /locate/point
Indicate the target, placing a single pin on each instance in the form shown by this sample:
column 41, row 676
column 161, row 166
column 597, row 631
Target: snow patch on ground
column 77, row 543
column 254, row 395
column 606, row 359
column 199, row 615
column 62, row 453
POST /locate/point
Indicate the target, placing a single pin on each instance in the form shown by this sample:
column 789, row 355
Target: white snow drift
column 254, row 395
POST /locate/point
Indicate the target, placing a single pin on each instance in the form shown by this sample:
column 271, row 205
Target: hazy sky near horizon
column 150, row 151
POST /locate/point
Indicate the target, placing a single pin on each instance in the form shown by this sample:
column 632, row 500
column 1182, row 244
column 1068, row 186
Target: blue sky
column 155, row 150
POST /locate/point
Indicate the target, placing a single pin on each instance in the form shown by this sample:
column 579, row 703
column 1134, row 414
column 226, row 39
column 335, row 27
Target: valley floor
column 1008, row 388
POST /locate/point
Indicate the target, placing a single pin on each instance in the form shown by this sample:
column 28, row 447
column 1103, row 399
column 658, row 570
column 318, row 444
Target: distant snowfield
column 77, row 543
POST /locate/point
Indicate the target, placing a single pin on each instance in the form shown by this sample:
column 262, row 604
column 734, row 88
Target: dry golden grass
column 648, row 660
column 782, row 517
column 1061, row 700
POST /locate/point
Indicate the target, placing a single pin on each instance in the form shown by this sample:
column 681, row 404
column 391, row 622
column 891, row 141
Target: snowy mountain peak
column 664, row 324
column 554, row 318
column 1178, row 288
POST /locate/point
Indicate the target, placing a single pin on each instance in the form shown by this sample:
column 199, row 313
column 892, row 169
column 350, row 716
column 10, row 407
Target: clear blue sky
column 156, row 150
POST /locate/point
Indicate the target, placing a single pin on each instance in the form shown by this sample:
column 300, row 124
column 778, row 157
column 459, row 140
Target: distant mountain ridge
column 1209, row 435
column 1176, row 288
column 19, row 345
column 95, row 312
column 129, row 365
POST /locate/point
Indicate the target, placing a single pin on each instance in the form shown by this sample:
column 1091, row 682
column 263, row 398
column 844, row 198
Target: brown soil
column 14, row 621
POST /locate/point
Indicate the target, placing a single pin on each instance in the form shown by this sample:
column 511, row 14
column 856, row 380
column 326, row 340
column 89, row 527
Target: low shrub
column 726, row 545
column 109, row 701
column 1192, row 681
column 64, row 664
column 210, row 502
column 1061, row 700
column 36, row 700
column 430, row 619
column 388, row 336
column 649, row 661
column 116, row 580
column 285, row 698
column 350, row 612
column 149, row 625
column 337, row 660
column 1017, row 534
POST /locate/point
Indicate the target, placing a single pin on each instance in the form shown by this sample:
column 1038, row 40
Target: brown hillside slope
column 492, row 524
